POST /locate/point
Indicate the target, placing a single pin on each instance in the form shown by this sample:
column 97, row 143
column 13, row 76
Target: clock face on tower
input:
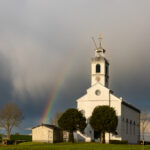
column 97, row 78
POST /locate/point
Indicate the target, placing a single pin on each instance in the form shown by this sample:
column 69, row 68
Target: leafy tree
column 72, row 120
column 104, row 120
column 10, row 116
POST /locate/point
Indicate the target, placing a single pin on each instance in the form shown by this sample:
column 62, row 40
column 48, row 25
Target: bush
column 8, row 142
column 117, row 142
column 145, row 142
column 26, row 138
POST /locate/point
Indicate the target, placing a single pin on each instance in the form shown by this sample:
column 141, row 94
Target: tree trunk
column 71, row 137
column 109, row 137
column 101, row 137
column 143, row 137
column 8, row 135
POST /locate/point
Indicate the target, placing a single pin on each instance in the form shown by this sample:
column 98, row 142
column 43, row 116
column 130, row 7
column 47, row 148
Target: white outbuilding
column 99, row 94
column 47, row 133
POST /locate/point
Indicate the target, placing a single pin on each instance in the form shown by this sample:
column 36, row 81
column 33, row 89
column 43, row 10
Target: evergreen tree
column 72, row 120
column 104, row 120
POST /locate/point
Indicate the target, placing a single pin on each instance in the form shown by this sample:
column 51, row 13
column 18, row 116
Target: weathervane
column 98, row 49
column 100, row 40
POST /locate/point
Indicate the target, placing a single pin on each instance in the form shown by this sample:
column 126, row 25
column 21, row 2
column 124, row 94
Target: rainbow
column 55, row 92
column 53, row 97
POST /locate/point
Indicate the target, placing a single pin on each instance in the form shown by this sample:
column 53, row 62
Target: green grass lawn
column 70, row 146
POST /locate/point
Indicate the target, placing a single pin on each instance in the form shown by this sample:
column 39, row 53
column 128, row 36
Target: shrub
column 118, row 142
column 145, row 142
column 8, row 142
column 26, row 138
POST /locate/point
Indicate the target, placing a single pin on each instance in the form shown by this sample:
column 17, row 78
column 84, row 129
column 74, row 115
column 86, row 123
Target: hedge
column 27, row 138
column 117, row 142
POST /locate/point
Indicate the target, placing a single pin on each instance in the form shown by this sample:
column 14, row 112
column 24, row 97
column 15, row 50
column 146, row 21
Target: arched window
column 130, row 127
column 98, row 68
column 134, row 128
column 126, row 126
column 123, row 124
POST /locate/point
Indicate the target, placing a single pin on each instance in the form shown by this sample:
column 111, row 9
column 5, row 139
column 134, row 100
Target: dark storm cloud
column 39, row 38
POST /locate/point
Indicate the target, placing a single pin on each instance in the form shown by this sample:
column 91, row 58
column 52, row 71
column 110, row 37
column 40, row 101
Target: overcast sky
column 39, row 38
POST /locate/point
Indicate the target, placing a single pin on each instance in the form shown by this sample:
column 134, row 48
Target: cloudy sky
column 39, row 39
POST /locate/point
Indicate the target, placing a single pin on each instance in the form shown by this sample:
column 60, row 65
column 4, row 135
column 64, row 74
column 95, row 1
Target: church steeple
column 100, row 65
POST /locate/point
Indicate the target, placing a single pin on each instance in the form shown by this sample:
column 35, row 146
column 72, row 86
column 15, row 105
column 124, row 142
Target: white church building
column 99, row 94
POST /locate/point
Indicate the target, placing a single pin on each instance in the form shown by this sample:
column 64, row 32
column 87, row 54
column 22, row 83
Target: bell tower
column 99, row 66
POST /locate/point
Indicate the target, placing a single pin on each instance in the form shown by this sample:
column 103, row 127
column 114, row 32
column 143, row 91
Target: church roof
column 48, row 126
column 130, row 106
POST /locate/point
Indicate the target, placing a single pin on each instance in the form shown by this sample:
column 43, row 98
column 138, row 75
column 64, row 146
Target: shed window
column 98, row 68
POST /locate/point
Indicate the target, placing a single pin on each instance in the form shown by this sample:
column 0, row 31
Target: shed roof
column 48, row 126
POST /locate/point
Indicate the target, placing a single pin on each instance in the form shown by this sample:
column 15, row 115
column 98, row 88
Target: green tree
column 104, row 120
column 72, row 120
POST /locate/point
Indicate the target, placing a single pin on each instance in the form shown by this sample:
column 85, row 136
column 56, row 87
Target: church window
column 123, row 124
column 98, row 68
column 134, row 128
column 130, row 127
column 126, row 126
